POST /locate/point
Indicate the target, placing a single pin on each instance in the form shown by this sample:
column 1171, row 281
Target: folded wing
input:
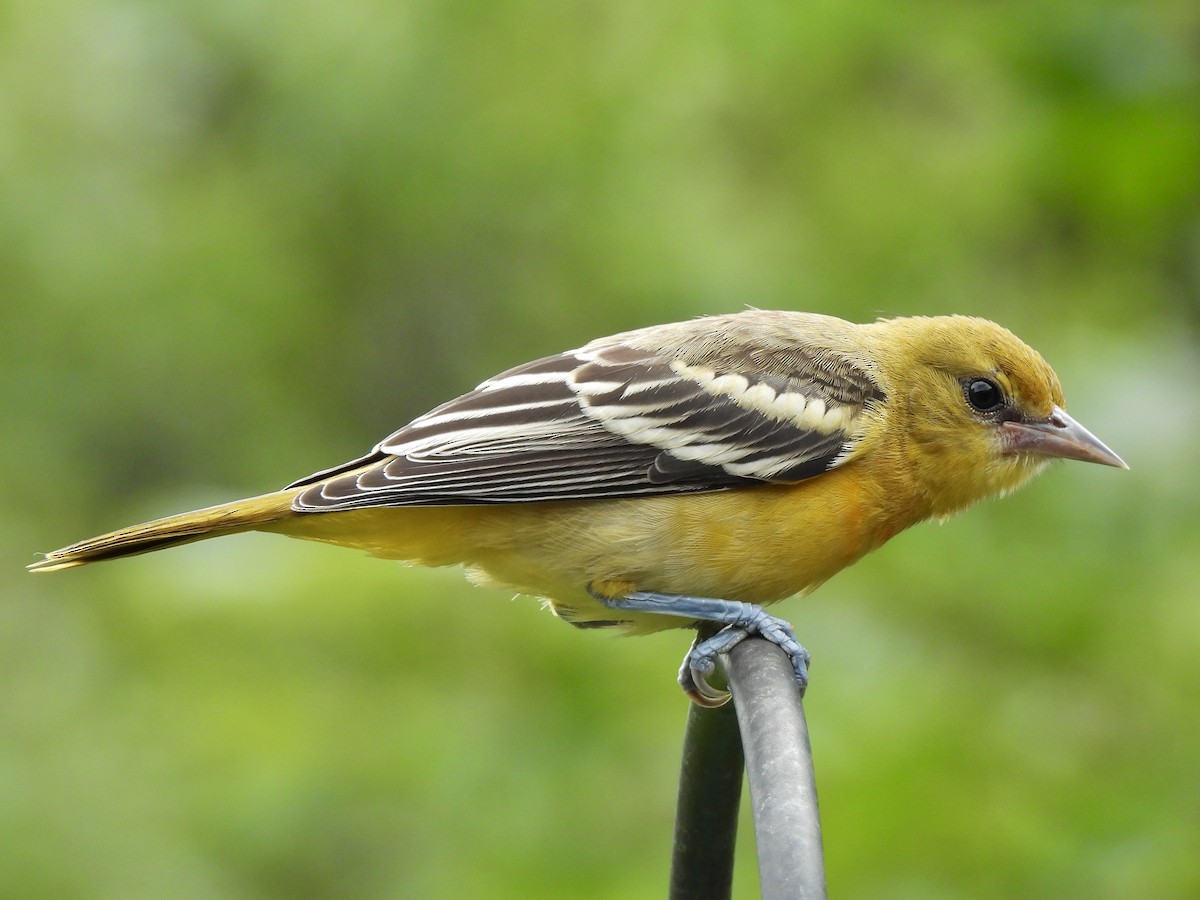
column 607, row 421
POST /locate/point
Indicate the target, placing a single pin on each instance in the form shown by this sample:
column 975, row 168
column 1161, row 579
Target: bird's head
column 984, row 411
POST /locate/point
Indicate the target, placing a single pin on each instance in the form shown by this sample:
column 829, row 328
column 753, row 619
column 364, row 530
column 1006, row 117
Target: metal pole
column 710, row 788
column 783, row 790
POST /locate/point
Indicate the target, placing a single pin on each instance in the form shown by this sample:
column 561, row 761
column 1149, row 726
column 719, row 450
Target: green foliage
column 241, row 242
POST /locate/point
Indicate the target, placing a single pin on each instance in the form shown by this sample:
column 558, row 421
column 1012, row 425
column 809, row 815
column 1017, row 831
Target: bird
column 682, row 475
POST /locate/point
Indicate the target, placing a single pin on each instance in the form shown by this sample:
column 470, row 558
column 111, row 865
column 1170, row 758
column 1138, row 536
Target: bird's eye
column 983, row 394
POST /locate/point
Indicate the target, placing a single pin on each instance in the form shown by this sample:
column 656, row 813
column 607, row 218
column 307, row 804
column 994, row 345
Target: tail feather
column 240, row 515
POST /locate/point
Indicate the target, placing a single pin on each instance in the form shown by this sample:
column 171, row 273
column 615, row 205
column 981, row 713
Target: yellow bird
column 683, row 474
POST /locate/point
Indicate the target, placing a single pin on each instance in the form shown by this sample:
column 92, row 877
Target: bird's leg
column 739, row 621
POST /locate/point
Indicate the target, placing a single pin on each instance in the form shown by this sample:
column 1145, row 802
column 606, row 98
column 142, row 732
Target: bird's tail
column 240, row 515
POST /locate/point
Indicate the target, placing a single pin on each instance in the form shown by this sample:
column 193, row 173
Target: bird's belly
column 757, row 544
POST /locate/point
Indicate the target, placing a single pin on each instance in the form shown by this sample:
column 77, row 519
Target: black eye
column 983, row 395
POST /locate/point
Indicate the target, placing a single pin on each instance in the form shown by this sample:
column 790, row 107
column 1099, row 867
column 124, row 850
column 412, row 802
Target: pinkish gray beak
column 1059, row 436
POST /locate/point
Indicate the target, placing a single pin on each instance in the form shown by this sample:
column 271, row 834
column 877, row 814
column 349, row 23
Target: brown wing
column 611, row 420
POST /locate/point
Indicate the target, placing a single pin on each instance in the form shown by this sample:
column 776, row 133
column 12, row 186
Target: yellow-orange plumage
column 748, row 457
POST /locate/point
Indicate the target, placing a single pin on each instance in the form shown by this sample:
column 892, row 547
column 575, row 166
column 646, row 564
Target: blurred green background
column 242, row 241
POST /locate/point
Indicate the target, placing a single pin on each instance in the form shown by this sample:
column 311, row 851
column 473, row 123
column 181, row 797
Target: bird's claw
column 700, row 661
column 739, row 621
column 693, row 678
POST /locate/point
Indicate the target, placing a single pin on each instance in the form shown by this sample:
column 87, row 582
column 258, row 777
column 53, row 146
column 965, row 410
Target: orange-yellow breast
column 757, row 544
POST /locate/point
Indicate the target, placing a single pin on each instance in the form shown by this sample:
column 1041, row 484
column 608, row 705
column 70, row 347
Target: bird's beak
column 1058, row 436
